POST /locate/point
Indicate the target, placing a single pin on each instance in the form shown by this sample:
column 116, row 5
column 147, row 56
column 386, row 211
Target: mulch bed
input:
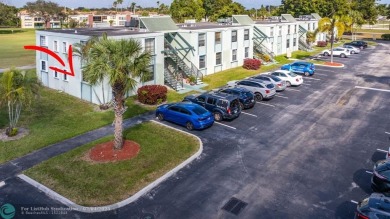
column 105, row 152
column 333, row 64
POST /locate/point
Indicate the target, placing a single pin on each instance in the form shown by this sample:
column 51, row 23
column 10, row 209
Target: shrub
column 322, row 43
column 252, row 64
column 386, row 36
column 265, row 57
column 152, row 94
column 11, row 132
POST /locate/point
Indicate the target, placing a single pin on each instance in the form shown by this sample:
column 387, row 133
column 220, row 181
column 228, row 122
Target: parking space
column 307, row 153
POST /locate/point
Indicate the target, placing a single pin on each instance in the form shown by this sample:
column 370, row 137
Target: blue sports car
column 306, row 68
column 190, row 115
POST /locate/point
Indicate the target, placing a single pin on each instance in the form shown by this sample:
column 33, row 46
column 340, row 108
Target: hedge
column 386, row 36
column 252, row 64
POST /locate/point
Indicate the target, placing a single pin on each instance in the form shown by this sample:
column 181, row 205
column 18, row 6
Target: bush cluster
column 152, row 94
column 322, row 43
column 11, row 31
column 10, row 132
column 386, row 36
column 252, row 64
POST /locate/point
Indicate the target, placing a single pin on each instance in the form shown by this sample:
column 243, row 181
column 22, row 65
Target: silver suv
column 261, row 89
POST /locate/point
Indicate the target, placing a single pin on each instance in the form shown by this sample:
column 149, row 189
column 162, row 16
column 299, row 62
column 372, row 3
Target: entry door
column 45, row 78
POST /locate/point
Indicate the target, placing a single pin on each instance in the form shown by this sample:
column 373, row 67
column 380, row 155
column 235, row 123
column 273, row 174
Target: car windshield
column 198, row 110
column 270, row 86
column 292, row 74
column 275, row 78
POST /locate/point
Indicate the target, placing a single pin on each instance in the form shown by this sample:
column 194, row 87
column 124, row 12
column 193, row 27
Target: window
column 201, row 99
column 218, row 58
column 64, row 47
column 288, row 43
column 280, row 30
column 288, row 29
column 211, row 101
column 217, row 37
column 234, row 36
column 149, row 45
column 55, row 74
column 234, row 55
column 202, row 61
column 43, row 40
column 65, row 77
column 201, row 39
column 246, row 34
column 246, row 52
column 150, row 75
column 185, row 111
column 175, row 108
column 55, row 46
column 43, row 65
column 295, row 28
column 295, row 42
column 272, row 32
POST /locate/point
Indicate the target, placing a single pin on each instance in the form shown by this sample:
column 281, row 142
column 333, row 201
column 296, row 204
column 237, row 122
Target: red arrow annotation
column 57, row 57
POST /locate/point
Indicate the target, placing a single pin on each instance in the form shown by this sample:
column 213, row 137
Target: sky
column 143, row 3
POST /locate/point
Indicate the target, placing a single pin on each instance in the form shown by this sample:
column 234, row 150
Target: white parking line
column 249, row 114
column 313, row 79
column 277, row 95
column 293, row 89
column 387, row 133
column 384, row 151
column 369, row 172
column 266, row 104
column 307, row 84
column 225, row 125
column 355, row 202
column 369, row 88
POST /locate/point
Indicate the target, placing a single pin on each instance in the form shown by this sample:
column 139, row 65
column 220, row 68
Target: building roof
column 112, row 31
column 206, row 25
column 242, row 19
column 288, row 18
column 316, row 16
column 161, row 23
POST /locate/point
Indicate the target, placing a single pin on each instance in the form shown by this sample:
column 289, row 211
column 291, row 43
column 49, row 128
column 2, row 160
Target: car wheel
column 160, row 117
column 306, row 73
column 241, row 106
column 258, row 97
column 217, row 116
column 352, row 52
column 288, row 84
column 189, row 126
column 326, row 54
column 342, row 55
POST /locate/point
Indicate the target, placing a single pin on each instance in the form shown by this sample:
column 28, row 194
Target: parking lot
column 304, row 154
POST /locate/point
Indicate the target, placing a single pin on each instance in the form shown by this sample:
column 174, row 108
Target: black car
column 380, row 181
column 247, row 98
column 376, row 206
column 358, row 43
column 223, row 106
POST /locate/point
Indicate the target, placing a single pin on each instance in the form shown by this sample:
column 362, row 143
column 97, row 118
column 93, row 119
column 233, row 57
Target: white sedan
column 354, row 50
column 291, row 79
column 342, row 52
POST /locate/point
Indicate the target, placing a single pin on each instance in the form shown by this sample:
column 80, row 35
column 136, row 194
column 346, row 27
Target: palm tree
column 329, row 25
column 17, row 89
column 119, row 2
column 124, row 63
column 115, row 5
column 132, row 7
column 158, row 7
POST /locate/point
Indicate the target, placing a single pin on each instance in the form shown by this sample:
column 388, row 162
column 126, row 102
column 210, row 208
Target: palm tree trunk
column 118, row 109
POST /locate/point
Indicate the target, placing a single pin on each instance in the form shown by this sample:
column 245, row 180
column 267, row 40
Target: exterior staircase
column 259, row 37
column 302, row 44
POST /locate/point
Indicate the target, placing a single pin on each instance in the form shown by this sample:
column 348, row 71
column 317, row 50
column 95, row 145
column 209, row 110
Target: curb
column 73, row 206
column 342, row 65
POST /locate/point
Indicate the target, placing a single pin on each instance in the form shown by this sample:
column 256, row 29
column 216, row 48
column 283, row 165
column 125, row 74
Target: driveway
column 303, row 154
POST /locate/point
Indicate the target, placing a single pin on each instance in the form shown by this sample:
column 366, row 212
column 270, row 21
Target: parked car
column 190, row 115
column 247, row 98
column 222, row 106
column 376, row 206
column 380, row 181
column 342, row 52
column 354, row 50
column 290, row 78
column 306, row 68
column 280, row 84
column 261, row 89
column 358, row 43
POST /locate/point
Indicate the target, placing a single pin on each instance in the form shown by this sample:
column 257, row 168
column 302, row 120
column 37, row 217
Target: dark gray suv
column 376, row 206
column 223, row 106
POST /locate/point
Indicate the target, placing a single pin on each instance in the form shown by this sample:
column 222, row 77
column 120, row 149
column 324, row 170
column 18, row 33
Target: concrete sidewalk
column 26, row 67
column 16, row 166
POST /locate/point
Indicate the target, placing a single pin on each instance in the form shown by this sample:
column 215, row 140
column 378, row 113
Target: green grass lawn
column 55, row 117
column 12, row 52
column 91, row 184
column 373, row 30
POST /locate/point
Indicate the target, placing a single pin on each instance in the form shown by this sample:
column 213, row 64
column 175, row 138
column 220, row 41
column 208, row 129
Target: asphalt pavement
column 303, row 154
